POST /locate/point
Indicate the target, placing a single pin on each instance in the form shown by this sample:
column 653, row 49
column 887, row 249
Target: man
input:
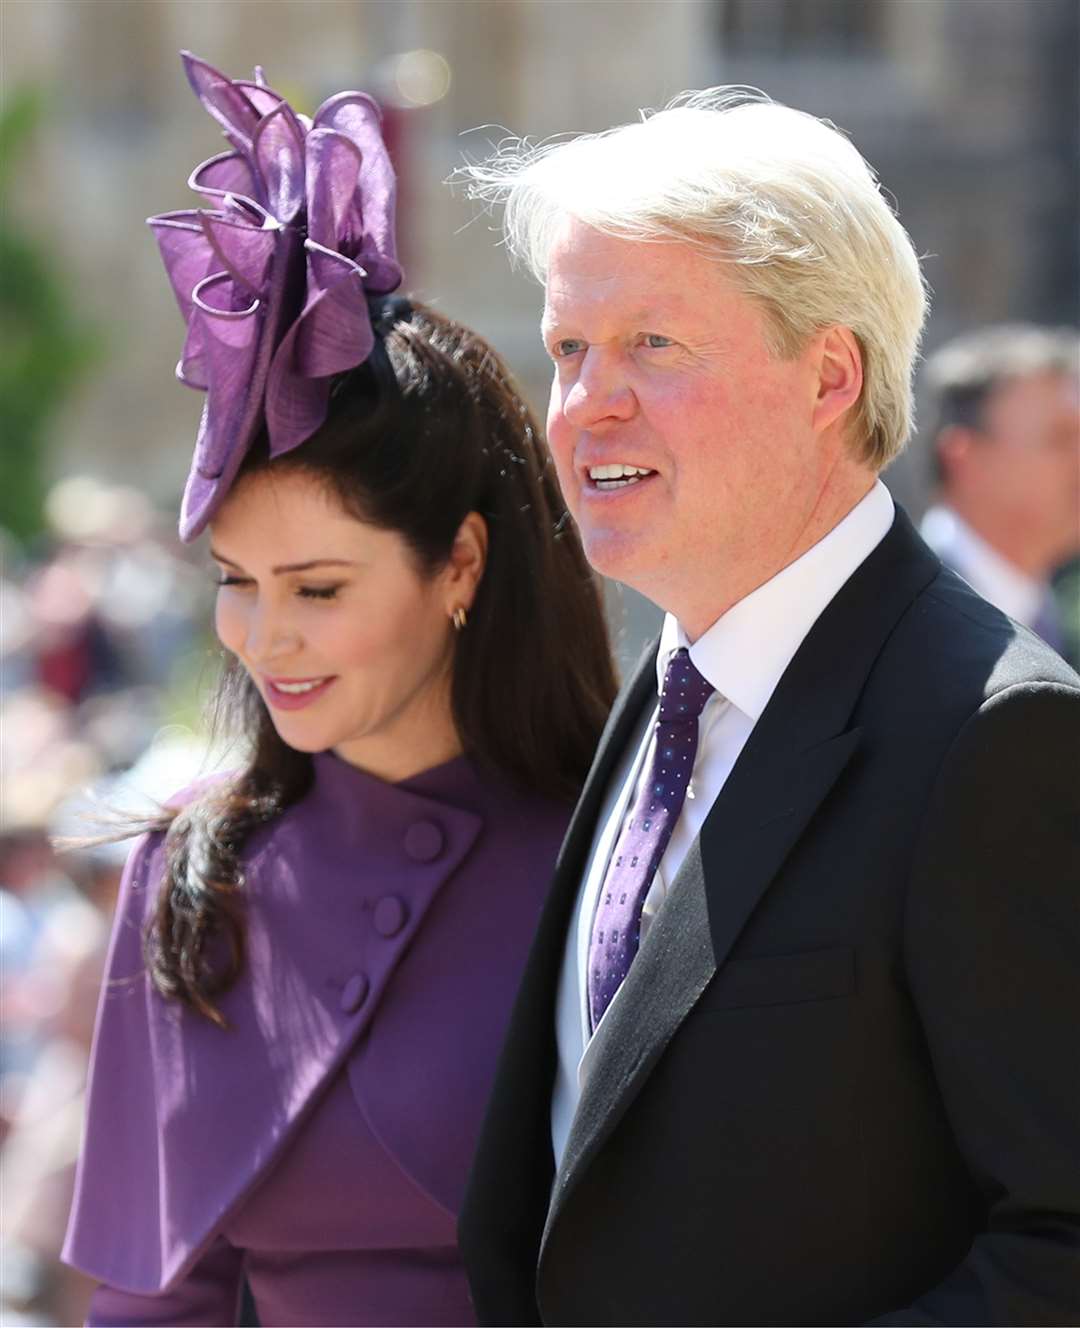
column 797, row 1040
column 1006, row 436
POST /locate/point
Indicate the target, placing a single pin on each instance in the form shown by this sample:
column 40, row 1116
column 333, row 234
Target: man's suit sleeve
column 992, row 943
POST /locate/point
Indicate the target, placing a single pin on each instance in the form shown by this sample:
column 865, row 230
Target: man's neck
column 697, row 614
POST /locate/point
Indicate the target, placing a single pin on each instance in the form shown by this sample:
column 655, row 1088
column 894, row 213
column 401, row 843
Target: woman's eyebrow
column 313, row 562
column 290, row 567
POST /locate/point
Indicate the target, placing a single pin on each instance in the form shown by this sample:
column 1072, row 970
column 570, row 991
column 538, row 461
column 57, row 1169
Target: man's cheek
column 570, row 486
column 561, row 447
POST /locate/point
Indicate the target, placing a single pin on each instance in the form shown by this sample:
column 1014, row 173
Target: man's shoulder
column 955, row 651
column 972, row 635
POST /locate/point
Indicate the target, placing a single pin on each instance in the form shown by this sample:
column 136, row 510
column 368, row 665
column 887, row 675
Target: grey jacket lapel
column 672, row 969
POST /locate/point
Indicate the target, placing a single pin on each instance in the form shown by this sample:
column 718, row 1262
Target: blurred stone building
column 968, row 108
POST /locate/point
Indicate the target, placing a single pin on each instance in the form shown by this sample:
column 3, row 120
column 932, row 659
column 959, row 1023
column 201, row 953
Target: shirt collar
column 992, row 575
column 745, row 652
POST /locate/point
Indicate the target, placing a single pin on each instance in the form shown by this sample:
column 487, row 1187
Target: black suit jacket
column 841, row 1083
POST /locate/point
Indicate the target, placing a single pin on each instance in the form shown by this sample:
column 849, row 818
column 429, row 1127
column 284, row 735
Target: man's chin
column 622, row 556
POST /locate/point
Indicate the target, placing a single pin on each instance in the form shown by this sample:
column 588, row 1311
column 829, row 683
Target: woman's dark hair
column 427, row 430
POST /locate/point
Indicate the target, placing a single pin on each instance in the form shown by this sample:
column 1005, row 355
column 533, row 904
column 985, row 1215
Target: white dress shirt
column 993, row 576
column 743, row 654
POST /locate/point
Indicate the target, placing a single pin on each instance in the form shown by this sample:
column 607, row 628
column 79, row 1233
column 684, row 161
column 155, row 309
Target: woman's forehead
column 291, row 517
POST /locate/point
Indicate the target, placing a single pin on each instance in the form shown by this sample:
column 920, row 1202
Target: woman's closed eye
column 318, row 592
column 304, row 592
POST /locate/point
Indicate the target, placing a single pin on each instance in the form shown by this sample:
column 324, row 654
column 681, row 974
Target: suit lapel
column 797, row 751
column 671, row 970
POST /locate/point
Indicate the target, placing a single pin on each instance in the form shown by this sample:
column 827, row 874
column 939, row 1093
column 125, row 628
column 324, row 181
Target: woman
column 314, row 958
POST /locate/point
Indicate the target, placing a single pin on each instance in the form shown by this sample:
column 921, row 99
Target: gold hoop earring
column 459, row 618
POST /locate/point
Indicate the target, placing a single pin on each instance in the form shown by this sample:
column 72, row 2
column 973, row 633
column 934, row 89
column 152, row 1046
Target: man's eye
column 318, row 592
column 657, row 342
column 566, row 346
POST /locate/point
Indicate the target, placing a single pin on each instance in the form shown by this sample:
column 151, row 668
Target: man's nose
column 599, row 392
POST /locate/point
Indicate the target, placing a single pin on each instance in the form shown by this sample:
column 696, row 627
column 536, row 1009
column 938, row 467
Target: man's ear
column 839, row 375
column 465, row 565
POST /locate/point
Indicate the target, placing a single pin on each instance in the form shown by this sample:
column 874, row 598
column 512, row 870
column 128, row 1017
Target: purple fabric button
column 390, row 914
column 354, row 993
column 423, row 841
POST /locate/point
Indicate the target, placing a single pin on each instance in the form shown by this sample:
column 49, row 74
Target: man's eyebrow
column 290, row 567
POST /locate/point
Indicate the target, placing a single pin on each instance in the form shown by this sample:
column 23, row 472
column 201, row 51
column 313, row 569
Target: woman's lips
column 281, row 699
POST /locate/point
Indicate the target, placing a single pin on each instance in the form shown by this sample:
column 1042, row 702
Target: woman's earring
column 459, row 618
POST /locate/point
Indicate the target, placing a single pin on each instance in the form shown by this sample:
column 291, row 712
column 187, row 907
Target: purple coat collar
column 183, row 1117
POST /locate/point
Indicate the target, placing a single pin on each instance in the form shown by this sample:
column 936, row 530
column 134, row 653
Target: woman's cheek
column 364, row 648
column 227, row 622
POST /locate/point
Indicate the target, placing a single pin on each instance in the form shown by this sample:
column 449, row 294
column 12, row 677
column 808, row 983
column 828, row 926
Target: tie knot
column 685, row 690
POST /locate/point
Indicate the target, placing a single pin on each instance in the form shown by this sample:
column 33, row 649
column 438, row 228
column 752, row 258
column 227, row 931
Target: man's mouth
column 617, row 475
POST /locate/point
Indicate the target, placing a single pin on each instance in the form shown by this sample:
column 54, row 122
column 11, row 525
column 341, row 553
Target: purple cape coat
column 386, row 924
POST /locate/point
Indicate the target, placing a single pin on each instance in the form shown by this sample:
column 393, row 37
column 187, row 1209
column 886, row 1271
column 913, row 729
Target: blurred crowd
column 103, row 642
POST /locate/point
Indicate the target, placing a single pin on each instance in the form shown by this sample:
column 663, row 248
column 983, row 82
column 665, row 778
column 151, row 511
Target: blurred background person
column 1005, row 432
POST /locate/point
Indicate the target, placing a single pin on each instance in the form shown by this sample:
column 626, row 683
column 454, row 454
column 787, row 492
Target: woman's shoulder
column 198, row 789
column 526, row 823
column 145, row 860
column 536, row 812
column 518, row 801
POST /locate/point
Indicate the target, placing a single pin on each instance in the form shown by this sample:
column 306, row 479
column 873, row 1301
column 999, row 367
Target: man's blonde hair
column 780, row 195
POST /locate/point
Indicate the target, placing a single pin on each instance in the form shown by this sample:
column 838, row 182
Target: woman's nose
column 269, row 635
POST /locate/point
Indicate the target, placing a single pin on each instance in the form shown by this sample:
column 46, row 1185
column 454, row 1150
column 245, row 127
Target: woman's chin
column 293, row 735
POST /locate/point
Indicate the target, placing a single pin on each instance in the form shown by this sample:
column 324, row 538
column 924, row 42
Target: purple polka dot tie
column 645, row 835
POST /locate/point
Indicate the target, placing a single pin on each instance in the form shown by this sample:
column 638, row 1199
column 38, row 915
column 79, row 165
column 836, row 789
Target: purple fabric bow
column 272, row 279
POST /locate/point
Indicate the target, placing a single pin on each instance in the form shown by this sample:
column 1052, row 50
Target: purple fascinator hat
column 273, row 277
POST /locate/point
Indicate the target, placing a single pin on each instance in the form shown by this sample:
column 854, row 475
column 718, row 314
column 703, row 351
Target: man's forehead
column 560, row 306
column 638, row 278
column 624, row 297
column 635, row 291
